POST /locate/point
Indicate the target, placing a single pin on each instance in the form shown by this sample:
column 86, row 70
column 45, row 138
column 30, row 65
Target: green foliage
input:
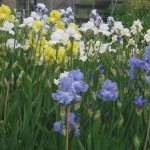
column 143, row 14
column 31, row 112
column 27, row 110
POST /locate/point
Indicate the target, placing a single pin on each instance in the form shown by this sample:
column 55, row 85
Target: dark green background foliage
column 143, row 14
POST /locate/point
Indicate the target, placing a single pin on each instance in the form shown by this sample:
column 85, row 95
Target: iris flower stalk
column 72, row 53
column 148, row 135
column 67, row 125
column 69, row 88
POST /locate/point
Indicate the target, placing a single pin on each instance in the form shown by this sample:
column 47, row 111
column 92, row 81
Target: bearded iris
column 146, row 58
column 139, row 102
column 108, row 91
column 147, row 78
column 58, row 126
column 69, row 87
column 137, row 64
column 146, row 55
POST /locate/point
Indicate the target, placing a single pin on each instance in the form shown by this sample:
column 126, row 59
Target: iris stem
column 67, row 125
column 148, row 135
column 6, row 101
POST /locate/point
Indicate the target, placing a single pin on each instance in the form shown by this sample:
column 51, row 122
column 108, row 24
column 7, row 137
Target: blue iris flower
column 146, row 55
column 58, row 126
column 76, row 74
column 90, row 106
column 147, row 67
column 101, row 69
column 108, row 91
column 65, row 83
column 69, row 87
column 79, row 86
column 118, row 39
column 136, row 64
column 78, row 117
column 63, row 97
column 90, row 76
column 139, row 102
column 127, row 84
column 147, row 78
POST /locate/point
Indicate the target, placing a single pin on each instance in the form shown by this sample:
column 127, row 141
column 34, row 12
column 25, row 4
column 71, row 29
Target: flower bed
column 70, row 86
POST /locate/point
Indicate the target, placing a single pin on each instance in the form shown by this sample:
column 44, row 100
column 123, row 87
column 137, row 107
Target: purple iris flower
column 90, row 106
column 108, row 91
column 76, row 74
column 139, row 102
column 147, row 78
column 63, row 97
column 47, row 27
column 131, row 73
column 146, row 55
column 123, row 68
column 73, row 123
column 77, row 131
column 136, row 64
column 59, row 125
column 127, row 84
column 118, row 39
column 65, row 20
column 147, row 67
column 69, row 87
column 90, row 76
column 136, row 86
column 71, row 118
column 65, row 83
column 98, row 17
column 79, row 86
column 101, row 69
column 45, row 10
column 18, row 14
column 78, row 117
